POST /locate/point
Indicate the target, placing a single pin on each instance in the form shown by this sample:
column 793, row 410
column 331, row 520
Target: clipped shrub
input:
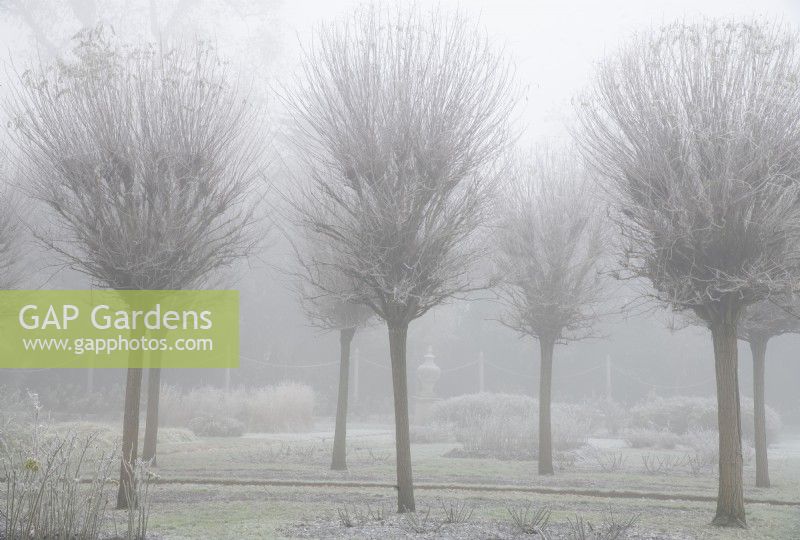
column 681, row 414
column 652, row 438
column 505, row 426
column 470, row 408
column 430, row 434
column 570, row 427
column 216, row 426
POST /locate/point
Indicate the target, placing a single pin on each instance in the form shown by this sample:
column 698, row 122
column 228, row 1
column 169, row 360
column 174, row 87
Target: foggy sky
column 554, row 45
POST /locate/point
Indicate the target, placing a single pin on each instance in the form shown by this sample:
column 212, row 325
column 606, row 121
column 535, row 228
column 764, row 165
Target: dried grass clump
column 287, row 406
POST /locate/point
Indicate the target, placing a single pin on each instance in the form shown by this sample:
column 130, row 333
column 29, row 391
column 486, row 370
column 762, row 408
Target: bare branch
column 550, row 248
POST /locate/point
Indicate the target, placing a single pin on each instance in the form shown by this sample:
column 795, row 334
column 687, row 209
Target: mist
column 503, row 269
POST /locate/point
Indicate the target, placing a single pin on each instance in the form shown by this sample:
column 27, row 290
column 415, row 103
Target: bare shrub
column 605, row 460
column 529, row 520
column 651, row 438
column 356, row 516
column 565, row 461
column 421, row 523
column 457, row 512
column 609, row 529
column 44, row 497
column 656, row 464
column 13, row 432
column 283, row 452
column 700, row 464
column 346, row 517
column 138, row 497
column 377, row 457
column 705, row 451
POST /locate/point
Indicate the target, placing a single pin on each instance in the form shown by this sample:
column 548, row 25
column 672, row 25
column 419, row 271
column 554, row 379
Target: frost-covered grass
column 371, row 458
column 230, row 511
column 286, row 512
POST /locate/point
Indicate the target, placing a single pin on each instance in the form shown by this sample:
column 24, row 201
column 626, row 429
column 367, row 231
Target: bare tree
column 760, row 323
column 551, row 241
column 397, row 115
column 146, row 162
column 325, row 309
column 695, row 131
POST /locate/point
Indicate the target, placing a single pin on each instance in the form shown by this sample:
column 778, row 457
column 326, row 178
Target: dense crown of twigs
column 769, row 318
column 145, row 158
column 322, row 290
column 695, row 130
column 397, row 115
column 550, row 245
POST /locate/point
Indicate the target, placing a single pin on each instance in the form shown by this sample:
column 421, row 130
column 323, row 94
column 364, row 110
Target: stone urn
column 428, row 374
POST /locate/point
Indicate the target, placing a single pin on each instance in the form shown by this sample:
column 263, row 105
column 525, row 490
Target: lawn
column 225, row 509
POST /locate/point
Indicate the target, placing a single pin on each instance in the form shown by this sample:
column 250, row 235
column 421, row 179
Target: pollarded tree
column 146, row 161
column 760, row 323
column 695, row 132
column 550, row 245
column 397, row 116
column 324, row 308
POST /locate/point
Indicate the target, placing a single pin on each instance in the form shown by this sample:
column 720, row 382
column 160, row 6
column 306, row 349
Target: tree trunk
column 545, row 391
column 130, row 434
column 339, row 460
column 151, row 423
column 759, row 350
column 730, row 498
column 405, row 484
